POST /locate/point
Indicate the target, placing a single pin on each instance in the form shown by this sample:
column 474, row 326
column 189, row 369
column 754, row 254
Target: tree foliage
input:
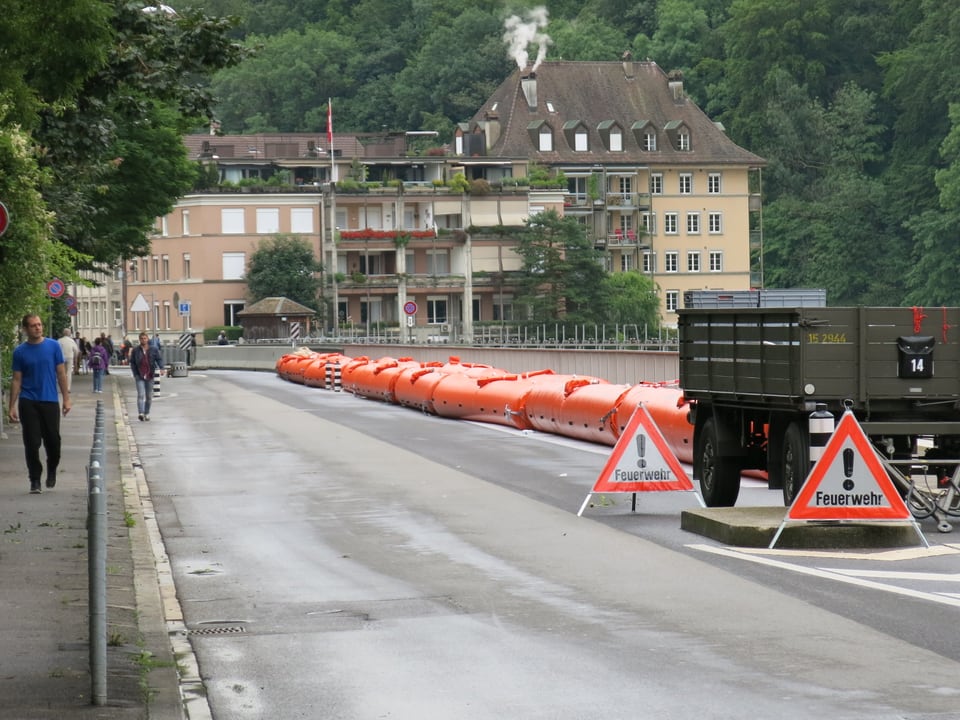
column 284, row 266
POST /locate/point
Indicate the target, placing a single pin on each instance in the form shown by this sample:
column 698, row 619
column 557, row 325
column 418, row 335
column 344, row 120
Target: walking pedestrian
column 145, row 360
column 71, row 354
column 99, row 360
column 38, row 370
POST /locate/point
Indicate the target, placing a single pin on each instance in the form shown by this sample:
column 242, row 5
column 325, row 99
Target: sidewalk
column 44, row 632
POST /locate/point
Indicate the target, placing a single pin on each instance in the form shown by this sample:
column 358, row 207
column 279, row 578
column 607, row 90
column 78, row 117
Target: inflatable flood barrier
column 580, row 407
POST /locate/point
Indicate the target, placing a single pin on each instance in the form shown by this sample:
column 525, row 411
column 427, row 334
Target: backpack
column 96, row 360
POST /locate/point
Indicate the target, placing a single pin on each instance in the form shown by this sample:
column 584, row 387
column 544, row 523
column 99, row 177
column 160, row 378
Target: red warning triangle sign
column 848, row 482
column 641, row 460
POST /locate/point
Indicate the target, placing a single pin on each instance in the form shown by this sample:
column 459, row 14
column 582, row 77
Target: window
column 686, row 184
column 693, row 261
column 683, row 139
column 625, row 185
column 371, row 310
column 693, row 223
column 649, row 141
column 231, row 221
column 156, row 269
column 670, row 223
column 165, row 261
column 715, row 222
column 626, row 262
column 458, row 145
column 230, row 310
column 186, row 265
column 649, row 262
column 580, row 143
column 438, row 262
column 166, row 314
column 186, row 223
column 648, row 221
column 301, row 221
column 145, row 270
column 164, row 229
column 716, row 261
column 616, row 140
column 671, row 298
column 234, row 265
column 713, row 184
column 436, row 309
column 475, row 309
column 268, row 221
column 545, row 139
column 503, row 308
column 656, row 184
column 671, row 262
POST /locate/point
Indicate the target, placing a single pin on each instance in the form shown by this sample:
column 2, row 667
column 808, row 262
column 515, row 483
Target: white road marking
column 942, row 599
column 912, row 553
column 895, row 575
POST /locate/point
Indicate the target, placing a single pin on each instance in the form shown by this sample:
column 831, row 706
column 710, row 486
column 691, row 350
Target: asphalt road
column 336, row 557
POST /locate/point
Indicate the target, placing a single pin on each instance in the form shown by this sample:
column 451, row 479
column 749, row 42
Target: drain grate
column 219, row 630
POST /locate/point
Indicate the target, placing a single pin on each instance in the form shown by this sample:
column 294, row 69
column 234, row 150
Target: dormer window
column 679, row 135
column 541, row 135
column 576, row 134
column 645, row 134
column 612, row 135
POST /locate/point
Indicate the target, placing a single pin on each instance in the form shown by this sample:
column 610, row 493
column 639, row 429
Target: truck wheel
column 796, row 462
column 719, row 478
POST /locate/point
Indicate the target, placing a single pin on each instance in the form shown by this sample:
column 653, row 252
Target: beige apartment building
column 659, row 187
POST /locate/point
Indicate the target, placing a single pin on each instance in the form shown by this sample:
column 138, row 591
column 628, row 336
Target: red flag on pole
column 330, row 124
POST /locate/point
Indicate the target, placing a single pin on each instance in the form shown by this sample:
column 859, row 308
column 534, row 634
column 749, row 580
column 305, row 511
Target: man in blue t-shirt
column 38, row 370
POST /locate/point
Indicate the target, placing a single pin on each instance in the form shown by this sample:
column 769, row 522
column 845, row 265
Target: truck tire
column 796, row 462
column 719, row 477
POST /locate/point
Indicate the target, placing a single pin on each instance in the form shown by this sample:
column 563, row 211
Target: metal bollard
column 156, row 385
column 336, row 377
column 328, row 376
column 97, row 584
column 821, row 426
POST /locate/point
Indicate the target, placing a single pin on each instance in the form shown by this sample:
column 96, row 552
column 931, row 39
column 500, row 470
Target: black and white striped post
column 821, row 426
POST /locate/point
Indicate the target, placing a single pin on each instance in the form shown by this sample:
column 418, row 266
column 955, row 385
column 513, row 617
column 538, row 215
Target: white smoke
column 519, row 34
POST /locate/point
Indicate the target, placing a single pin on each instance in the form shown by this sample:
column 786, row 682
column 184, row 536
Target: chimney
column 675, row 83
column 529, row 87
column 627, row 59
column 491, row 128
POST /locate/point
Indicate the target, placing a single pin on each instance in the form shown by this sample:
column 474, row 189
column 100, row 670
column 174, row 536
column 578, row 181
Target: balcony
column 628, row 201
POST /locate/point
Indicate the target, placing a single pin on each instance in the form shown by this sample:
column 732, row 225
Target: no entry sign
column 4, row 218
column 56, row 288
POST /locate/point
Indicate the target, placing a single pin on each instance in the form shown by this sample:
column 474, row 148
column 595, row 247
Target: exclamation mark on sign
column 641, row 450
column 848, row 469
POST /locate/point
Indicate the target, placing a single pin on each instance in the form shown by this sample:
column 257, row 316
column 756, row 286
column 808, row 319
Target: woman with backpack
column 98, row 360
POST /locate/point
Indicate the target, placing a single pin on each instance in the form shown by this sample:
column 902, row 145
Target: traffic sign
column 4, row 218
column 641, row 461
column 140, row 304
column 410, row 307
column 56, row 288
column 184, row 308
column 848, row 482
column 70, row 301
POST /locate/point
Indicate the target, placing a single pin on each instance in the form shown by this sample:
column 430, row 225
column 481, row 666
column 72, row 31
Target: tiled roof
column 276, row 306
column 596, row 93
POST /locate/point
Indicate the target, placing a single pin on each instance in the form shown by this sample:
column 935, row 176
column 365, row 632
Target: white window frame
column 693, row 223
column 716, row 261
column 693, row 261
column 683, row 139
column 671, row 261
column 656, row 183
column 714, row 183
column 626, row 262
column 616, row 140
column 648, row 221
column 671, row 299
column 715, row 223
column 649, row 261
column 185, row 220
column 671, row 222
column 686, row 183
column 650, row 141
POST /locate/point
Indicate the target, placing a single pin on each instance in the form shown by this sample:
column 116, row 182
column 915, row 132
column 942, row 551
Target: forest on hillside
column 855, row 104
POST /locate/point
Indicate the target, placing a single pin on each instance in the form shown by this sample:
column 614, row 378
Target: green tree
column 562, row 276
column 284, row 266
column 631, row 300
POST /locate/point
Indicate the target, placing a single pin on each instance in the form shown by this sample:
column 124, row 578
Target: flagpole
column 332, row 255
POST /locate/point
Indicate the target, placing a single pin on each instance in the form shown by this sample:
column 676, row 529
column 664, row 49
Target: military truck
column 753, row 377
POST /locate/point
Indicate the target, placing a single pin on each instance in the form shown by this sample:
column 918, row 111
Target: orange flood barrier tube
column 581, row 407
column 668, row 407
